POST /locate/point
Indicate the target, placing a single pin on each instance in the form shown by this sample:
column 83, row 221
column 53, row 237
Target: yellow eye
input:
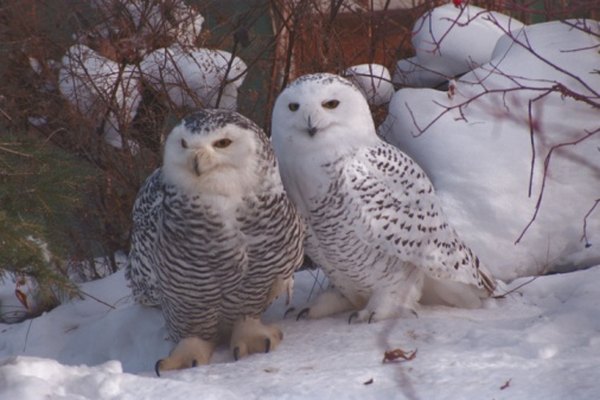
column 331, row 104
column 184, row 144
column 222, row 143
column 293, row 106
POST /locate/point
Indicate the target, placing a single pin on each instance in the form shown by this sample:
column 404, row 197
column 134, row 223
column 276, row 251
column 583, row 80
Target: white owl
column 215, row 238
column 375, row 225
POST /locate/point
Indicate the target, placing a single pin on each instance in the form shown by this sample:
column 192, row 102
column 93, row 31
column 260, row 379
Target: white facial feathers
column 216, row 158
column 322, row 111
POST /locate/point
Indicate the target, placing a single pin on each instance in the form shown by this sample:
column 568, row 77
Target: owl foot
column 288, row 311
column 303, row 313
column 327, row 303
column 189, row 352
column 369, row 316
column 361, row 316
column 250, row 336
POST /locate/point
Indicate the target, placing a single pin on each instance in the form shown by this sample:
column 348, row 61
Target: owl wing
column 147, row 211
column 400, row 215
column 275, row 235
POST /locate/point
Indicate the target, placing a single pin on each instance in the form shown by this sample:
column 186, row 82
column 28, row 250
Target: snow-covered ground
column 540, row 342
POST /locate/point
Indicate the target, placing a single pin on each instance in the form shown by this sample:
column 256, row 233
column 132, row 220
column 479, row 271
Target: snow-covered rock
column 373, row 80
column 194, row 77
column 102, row 90
column 450, row 41
column 477, row 149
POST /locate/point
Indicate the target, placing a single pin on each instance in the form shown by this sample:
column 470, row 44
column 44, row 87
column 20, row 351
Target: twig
column 545, row 176
column 27, row 334
column 585, row 236
column 501, row 296
column 18, row 153
column 97, row 299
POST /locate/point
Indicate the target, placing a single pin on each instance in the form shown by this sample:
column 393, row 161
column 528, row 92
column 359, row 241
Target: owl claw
column 352, row 316
column 289, row 310
column 251, row 336
column 361, row 316
column 189, row 352
column 303, row 313
column 371, row 317
column 157, row 367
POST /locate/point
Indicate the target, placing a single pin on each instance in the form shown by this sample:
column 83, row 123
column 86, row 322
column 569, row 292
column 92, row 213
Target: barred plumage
column 374, row 223
column 215, row 238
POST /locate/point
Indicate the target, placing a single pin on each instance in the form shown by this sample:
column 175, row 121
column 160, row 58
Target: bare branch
column 584, row 236
column 545, row 177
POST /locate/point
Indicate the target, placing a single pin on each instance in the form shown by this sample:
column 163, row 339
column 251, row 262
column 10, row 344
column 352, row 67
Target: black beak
column 196, row 166
column 312, row 130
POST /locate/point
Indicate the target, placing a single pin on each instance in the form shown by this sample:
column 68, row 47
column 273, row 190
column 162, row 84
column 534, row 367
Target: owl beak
column 312, row 130
column 197, row 165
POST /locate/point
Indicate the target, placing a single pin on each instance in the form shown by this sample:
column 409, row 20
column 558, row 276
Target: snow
column 478, row 153
column 192, row 77
column 450, row 41
column 543, row 339
column 97, row 87
column 373, row 80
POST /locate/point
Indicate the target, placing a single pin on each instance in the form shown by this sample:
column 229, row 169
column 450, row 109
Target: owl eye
column 184, row 144
column 331, row 104
column 293, row 106
column 222, row 143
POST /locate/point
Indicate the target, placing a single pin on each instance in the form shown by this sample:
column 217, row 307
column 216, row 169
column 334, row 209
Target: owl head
column 322, row 113
column 216, row 152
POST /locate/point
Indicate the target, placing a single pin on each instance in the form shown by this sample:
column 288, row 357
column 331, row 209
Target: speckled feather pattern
column 383, row 210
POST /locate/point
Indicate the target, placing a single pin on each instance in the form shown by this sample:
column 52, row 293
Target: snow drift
column 516, row 131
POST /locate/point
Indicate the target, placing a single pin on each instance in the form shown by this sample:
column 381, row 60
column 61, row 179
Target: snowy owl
column 215, row 238
column 375, row 225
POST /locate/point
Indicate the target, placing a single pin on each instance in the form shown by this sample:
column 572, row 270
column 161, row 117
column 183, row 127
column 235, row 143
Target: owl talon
column 371, row 317
column 289, row 310
column 303, row 314
column 251, row 336
column 188, row 353
column 157, row 367
column 352, row 316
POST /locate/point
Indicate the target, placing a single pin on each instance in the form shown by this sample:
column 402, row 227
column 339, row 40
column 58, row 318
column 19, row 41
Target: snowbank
column 542, row 341
column 476, row 148
column 373, row 80
column 450, row 41
column 102, row 90
column 192, row 77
